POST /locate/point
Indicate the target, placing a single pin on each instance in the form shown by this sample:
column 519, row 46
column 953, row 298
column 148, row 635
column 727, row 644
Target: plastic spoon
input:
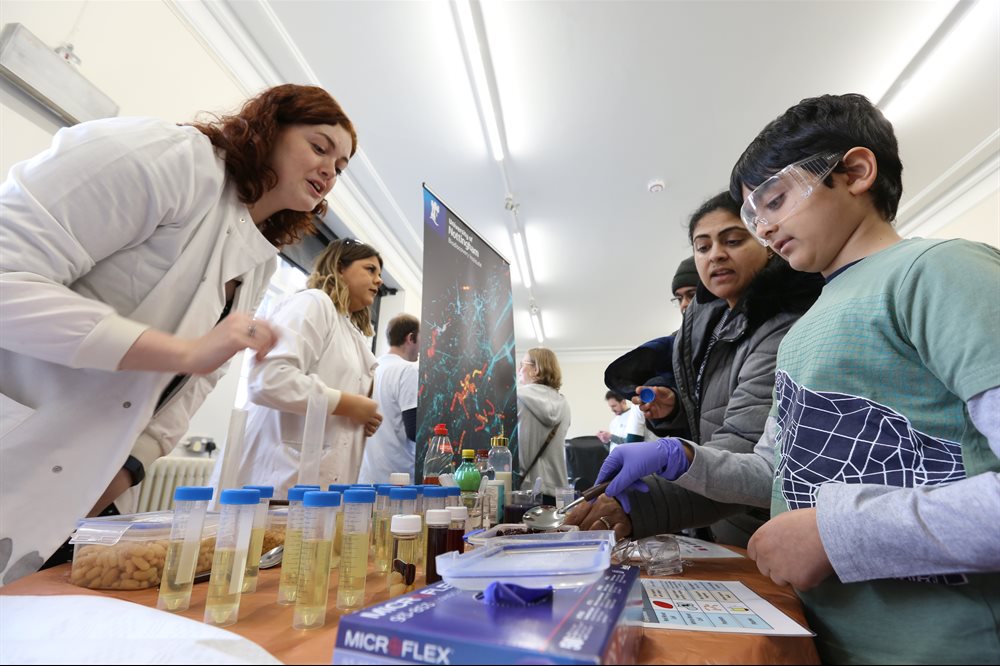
column 548, row 518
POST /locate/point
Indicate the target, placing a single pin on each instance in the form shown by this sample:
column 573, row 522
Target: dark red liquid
column 437, row 543
column 456, row 540
column 432, row 480
column 513, row 513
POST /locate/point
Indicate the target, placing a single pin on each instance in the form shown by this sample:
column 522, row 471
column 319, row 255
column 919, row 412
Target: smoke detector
column 655, row 186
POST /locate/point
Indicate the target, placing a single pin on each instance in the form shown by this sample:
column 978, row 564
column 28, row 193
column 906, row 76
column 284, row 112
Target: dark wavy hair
column 248, row 138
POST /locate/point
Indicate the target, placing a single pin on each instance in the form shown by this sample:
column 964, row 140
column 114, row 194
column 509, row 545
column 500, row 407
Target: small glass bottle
column 493, row 503
column 190, row 506
column 257, row 539
column 434, row 498
column 405, row 531
column 288, row 584
column 225, row 584
column 456, row 528
column 338, row 536
column 438, row 522
column 318, row 511
column 501, row 461
column 358, row 505
column 381, row 529
column 483, row 462
column 439, row 458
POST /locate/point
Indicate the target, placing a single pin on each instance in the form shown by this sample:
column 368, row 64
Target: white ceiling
column 598, row 98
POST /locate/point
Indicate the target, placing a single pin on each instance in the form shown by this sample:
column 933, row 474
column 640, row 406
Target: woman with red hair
column 134, row 251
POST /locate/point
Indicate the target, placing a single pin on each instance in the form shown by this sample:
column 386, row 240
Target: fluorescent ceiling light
column 474, row 58
column 521, row 251
column 536, row 324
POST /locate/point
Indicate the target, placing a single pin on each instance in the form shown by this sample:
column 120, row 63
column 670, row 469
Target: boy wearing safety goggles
column 887, row 434
column 882, row 450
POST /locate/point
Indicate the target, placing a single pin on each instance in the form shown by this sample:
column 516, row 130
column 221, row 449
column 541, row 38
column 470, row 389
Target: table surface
column 269, row 625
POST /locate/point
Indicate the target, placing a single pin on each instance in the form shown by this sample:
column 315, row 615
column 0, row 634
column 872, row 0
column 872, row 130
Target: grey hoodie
column 541, row 408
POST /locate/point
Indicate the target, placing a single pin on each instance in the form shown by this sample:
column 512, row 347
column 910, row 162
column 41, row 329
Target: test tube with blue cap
column 257, row 538
column 190, row 506
column 225, row 586
column 318, row 510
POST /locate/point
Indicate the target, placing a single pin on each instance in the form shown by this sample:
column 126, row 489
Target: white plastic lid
column 399, row 479
column 405, row 524
column 495, row 482
column 438, row 516
column 458, row 512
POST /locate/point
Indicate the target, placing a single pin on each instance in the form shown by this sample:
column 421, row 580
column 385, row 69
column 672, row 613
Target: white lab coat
column 123, row 224
column 320, row 350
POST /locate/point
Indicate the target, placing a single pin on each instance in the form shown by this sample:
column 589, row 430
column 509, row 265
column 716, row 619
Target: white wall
column 583, row 386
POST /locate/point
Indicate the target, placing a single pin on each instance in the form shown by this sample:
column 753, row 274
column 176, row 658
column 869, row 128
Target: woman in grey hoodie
column 542, row 419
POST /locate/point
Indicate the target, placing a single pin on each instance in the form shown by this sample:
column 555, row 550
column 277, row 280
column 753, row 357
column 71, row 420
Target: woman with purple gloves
column 723, row 361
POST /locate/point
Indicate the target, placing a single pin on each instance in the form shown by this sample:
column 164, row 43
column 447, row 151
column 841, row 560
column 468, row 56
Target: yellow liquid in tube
column 353, row 570
column 253, row 560
column 176, row 596
column 289, row 582
column 314, row 584
column 382, row 541
column 338, row 538
column 222, row 604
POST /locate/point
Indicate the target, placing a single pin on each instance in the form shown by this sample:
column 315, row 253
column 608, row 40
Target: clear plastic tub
column 568, row 559
column 128, row 552
column 479, row 537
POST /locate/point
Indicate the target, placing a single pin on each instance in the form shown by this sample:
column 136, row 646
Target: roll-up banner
column 467, row 363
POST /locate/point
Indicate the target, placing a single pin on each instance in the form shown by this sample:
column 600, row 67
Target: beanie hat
column 686, row 276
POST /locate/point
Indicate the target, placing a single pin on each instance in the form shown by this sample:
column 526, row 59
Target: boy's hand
column 789, row 550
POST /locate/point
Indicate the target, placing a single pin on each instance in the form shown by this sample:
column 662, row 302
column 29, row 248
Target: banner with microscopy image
column 467, row 364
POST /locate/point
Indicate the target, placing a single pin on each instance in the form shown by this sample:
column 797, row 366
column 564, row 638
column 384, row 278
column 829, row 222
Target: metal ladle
column 547, row 518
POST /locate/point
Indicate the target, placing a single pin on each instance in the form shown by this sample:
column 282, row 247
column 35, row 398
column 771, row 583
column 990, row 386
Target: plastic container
column 506, row 530
column 129, row 552
column 288, row 583
column 405, row 532
column 257, row 539
column 318, row 513
column 177, row 580
column 501, row 462
column 439, row 458
column 225, row 587
column 358, row 505
column 569, row 560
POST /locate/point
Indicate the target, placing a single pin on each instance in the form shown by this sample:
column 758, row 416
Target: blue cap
column 419, row 489
column 454, row 491
column 193, row 493
column 295, row 493
column 435, row 491
column 400, row 493
column 312, row 486
column 317, row 498
column 338, row 487
column 359, row 496
column 241, row 496
column 383, row 490
column 266, row 492
column 647, row 395
column 363, row 485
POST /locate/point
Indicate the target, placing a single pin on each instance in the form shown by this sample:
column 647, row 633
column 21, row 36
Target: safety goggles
column 780, row 195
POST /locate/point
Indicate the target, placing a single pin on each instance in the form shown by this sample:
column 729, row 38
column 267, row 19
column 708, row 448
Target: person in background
column 684, row 286
column 391, row 448
column 723, row 363
column 628, row 425
column 134, row 252
column 543, row 419
column 324, row 348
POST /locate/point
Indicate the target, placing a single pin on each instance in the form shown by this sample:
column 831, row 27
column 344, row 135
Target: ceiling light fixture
column 474, row 59
column 536, row 322
column 523, row 267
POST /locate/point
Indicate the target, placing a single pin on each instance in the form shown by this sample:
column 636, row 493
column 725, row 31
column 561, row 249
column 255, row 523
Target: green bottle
column 467, row 477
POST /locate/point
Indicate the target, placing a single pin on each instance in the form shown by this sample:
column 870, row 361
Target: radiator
column 156, row 492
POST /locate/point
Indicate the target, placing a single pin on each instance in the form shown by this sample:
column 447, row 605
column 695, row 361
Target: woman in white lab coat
column 324, row 348
column 134, row 251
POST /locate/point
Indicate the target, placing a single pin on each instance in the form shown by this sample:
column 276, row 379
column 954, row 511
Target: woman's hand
column 663, row 405
column 373, row 423
column 358, row 408
column 604, row 513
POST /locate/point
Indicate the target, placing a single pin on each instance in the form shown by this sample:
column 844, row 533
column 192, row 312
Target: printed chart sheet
column 705, row 605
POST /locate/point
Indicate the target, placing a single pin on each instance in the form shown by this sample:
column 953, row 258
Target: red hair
column 248, row 138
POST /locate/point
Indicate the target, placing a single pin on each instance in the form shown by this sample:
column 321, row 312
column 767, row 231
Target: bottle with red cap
column 439, row 458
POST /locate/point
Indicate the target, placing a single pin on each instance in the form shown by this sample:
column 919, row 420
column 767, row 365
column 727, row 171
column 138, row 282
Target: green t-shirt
column 871, row 386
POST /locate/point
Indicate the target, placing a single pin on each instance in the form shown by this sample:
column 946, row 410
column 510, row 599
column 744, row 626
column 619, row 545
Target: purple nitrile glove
column 628, row 463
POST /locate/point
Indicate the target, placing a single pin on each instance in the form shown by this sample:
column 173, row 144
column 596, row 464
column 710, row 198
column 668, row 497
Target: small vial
column 494, row 502
column 358, row 505
column 225, row 585
column 454, row 496
column 434, row 498
column 381, row 529
column 399, row 479
column 438, row 521
column 405, row 541
column 190, row 505
column 288, row 584
column 338, row 536
column 257, row 538
column 318, row 511
column 401, row 501
column 456, row 529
